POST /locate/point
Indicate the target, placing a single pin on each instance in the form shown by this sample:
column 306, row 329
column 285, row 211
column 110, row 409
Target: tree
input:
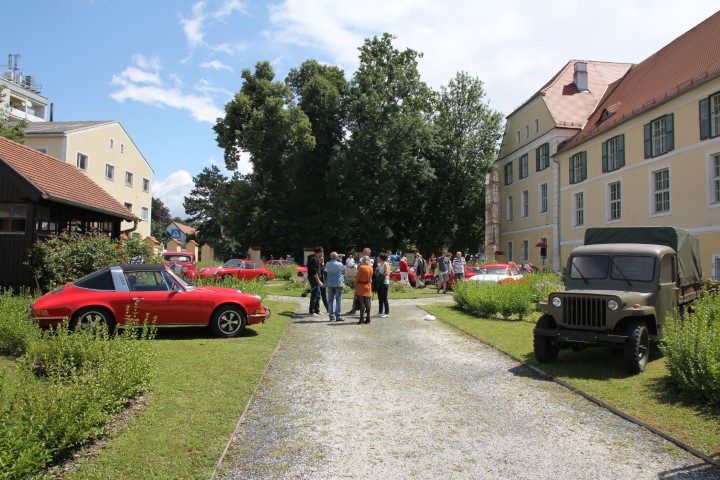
column 383, row 177
column 159, row 220
column 207, row 204
column 466, row 132
column 263, row 120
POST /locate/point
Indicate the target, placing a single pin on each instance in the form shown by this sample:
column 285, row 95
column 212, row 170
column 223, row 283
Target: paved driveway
column 404, row 398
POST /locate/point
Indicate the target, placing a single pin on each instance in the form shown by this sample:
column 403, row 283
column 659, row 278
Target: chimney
column 581, row 77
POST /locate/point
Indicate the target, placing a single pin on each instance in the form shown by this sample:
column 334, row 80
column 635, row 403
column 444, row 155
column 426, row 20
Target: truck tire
column 545, row 351
column 637, row 347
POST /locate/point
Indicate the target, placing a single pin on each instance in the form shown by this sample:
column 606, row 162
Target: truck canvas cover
column 684, row 242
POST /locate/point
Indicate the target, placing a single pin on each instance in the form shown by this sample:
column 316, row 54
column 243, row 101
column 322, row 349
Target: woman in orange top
column 363, row 288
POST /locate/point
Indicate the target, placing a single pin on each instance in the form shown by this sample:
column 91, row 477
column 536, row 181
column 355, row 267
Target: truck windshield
column 632, row 268
column 589, row 266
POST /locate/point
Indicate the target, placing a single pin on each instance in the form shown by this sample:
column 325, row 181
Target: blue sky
column 165, row 68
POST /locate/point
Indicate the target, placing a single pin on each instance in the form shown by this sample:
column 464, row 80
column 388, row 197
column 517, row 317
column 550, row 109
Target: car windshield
column 589, row 266
column 178, row 258
column 177, row 279
column 493, row 271
column 635, row 268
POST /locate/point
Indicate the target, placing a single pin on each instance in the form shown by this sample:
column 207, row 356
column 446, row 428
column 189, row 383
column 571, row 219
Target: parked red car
column 287, row 264
column 238, row 268
column 186, row 264
column 101, row 299
column 497, row 273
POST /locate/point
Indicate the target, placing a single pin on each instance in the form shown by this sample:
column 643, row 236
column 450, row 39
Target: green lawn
column 647, row 396
column 201, row 389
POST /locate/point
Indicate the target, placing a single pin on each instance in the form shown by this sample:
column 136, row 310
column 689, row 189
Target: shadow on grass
column 700, row 470
column 666, row 391
column 193, row 333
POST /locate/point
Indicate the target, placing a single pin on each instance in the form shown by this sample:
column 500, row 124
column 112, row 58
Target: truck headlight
column 556, row 302
column 613, row 305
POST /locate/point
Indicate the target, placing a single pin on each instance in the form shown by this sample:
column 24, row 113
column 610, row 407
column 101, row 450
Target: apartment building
column 650, row 152
column 522, row 193
column 104, row 152
column 21, row 97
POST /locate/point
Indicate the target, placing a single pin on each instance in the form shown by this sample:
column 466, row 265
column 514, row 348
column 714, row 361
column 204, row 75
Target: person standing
column 419, row 271
column 350, row 262
column 355, row 305
column 459, row 267
column 314, row 277
column 443, row 264
column 403, row 267
column 335, row 284
column 384, row 268
column 323, row 277
column 363, row 289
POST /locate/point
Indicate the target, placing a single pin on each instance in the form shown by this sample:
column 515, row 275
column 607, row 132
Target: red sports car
column 102, row 298
column 185, row 262
column 241, row 269
column 287, row 264
column 497, row 273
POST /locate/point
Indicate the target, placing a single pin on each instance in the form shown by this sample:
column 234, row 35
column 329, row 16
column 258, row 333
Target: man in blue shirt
column 335, row 283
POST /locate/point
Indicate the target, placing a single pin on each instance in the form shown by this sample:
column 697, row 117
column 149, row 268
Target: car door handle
column 138, row 299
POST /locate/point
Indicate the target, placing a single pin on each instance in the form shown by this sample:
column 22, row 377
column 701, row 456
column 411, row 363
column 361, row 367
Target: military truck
column 620, row 287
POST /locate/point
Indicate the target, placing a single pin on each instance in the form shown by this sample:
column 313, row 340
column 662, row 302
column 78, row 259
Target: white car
column 497, row 273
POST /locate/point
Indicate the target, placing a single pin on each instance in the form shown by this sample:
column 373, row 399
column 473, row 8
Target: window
column 112, row 143
column 517, row 136
column 122, row 148
column 145, row 213
column 613, row 154
column 128, row 179
column 659, row 137
column 509, row 214
column 710, row 116
column 82, row 162
column 524, row 250
column 128, row 206
column 544, row 198
column 525, row 203
column 661, row 191
column 614, row 201
column 716, row 267
column 146, row 185
column 537, row 125
column 715, row 179
column 41, row 149
column 527, row 131
column 509, row 252
column 12, row 217
column 579, row 209
column 508, row 173
column 542, row 157
column 578, row 167
column 109, row 172
column 523, row 167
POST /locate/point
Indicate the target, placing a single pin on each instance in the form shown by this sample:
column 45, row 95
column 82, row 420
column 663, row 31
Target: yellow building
column 650, row 152
column 522, row 195
column 104, row 152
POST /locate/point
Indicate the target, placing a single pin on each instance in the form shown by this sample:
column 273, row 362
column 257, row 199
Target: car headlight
column 613, row 305
column 556, row 301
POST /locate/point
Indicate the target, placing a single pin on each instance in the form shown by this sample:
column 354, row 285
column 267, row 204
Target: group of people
column 330, row 277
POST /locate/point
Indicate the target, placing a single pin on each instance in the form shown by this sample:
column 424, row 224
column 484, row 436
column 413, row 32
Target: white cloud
column 134, row 75
column 173, row 190
column 195, row 26
column 216, row 65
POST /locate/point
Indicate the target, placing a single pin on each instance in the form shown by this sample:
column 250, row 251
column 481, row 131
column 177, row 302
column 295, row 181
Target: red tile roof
column 186, row 229
column 60, row 181
column 687, row 62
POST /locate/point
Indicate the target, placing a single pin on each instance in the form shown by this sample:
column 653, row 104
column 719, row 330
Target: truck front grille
column 585, row 312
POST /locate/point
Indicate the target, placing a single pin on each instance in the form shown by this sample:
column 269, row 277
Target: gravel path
column 404, row 397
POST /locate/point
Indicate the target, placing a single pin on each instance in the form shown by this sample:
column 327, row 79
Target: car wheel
column 637, row 347
column 94, row 319
column 545, row 351
column 227, row 276
column 228, row 321
column 263, row 278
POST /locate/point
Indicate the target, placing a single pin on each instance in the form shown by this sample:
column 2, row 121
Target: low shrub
column 283, row 273
column 258, row 287
column 400, row 287
column 17, row 331
column 691, row 345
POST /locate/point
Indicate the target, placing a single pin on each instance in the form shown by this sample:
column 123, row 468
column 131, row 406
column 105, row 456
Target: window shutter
column 537, row 160
column 546, row 147
column 604, row 157
column 704, row 118
column 621, row 150
column 648, row 140
column 583, row 166
column 572, row 170
column 669, row 133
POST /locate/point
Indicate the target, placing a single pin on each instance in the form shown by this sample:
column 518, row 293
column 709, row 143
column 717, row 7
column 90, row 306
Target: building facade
column 103, row 151
column 21, row 97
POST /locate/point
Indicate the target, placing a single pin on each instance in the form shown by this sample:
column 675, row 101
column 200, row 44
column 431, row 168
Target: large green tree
column 206, row 205
column 466, row 134
column 159, row 220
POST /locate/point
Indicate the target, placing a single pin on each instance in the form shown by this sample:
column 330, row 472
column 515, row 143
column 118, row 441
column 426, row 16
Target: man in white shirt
column 350, row 262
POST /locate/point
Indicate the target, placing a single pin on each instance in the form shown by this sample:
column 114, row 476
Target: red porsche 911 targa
column 102, row 298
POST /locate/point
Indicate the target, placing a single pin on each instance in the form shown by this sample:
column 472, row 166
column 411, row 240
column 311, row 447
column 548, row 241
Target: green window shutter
column 669, row 133
column 604, row 157
column 583, row 166
column 572, row 171
column 704, row 118
column 537, row 160
column 648, row 140
column 621, row 150
column 547, row 153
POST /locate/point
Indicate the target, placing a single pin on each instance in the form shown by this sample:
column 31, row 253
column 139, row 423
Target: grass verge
column 648, row 397
column 202, row 387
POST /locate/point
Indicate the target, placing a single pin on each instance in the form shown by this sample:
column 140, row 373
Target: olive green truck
column 620, row 288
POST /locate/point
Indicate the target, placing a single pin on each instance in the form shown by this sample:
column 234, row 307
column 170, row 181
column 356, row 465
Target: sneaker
column 367, row 320
column 339, row 319
column 315, row 314
column 384, row 315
